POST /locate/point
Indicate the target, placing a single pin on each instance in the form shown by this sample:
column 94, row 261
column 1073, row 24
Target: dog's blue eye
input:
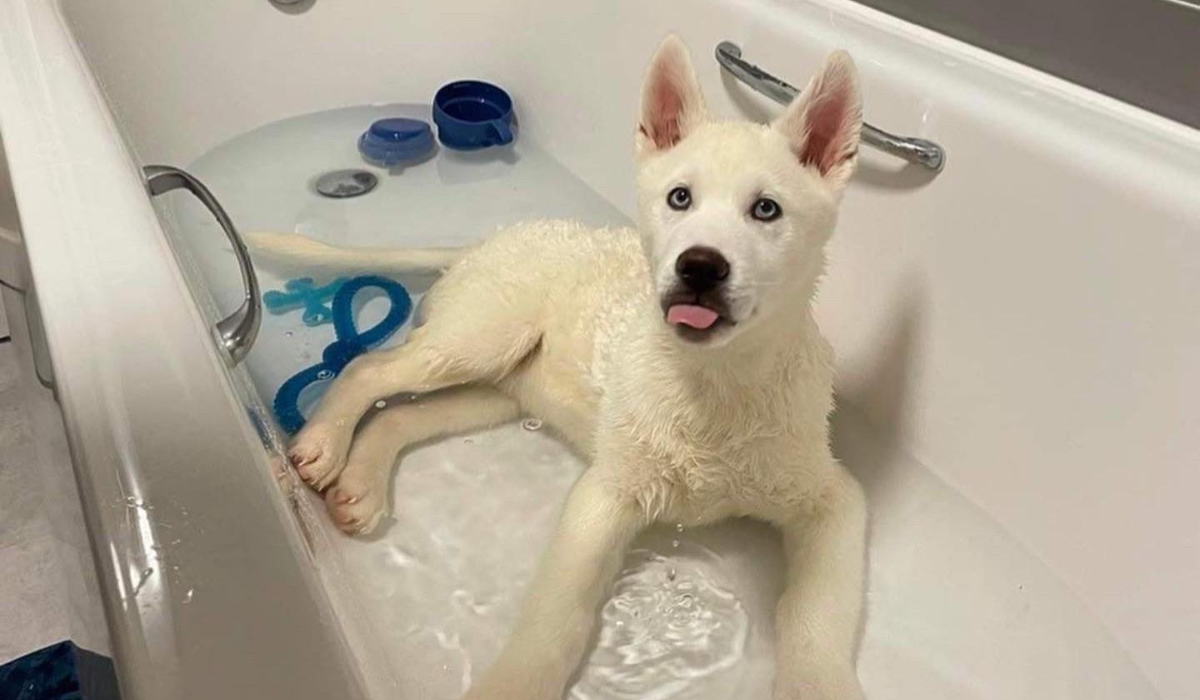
column 766, row 210
column 679, row 198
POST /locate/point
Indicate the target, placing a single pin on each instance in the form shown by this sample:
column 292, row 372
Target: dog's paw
column 356, row 506
column 319, row 454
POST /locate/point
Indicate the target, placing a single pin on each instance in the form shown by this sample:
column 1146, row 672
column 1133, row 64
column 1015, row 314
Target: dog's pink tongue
column 690, row 315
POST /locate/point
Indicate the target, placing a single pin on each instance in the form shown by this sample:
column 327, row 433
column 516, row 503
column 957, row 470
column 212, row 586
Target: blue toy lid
column 389, row 142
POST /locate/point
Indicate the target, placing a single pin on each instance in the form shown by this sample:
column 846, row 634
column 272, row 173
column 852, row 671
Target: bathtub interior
column 428, row 600
column 959, row 605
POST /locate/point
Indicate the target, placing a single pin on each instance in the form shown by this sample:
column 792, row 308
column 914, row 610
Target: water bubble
column 134, row 502
column 671, row 574
column 288, row 334
column 679, row 527
column 324, row 374
column 381, row 404
column 465, row 599
column 674, row 544
column 397, row 556
column 187, row 597
column 468, row 441
column 532, row 424
column 142, row 580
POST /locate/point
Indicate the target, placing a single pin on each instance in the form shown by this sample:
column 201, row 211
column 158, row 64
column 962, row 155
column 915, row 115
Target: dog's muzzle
column 696, row 306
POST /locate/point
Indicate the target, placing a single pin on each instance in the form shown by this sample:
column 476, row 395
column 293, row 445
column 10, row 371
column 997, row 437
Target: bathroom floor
column 47, row 590
column 30, row 611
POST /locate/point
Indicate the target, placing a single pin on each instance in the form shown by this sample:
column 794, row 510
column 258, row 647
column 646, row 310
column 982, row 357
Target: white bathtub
column 1020, row 329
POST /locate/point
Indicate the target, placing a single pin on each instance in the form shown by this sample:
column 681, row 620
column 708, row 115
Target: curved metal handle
column 235, row 333
column 924, row 153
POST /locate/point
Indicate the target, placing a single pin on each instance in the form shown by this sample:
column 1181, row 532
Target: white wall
column 1026, row 324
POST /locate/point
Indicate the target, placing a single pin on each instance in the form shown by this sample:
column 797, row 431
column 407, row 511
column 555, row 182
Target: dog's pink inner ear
column 824, row 122
column 671, row 100
column 664, row 112
column 830, row 123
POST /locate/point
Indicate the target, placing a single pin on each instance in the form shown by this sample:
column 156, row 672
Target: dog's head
column 735, row 215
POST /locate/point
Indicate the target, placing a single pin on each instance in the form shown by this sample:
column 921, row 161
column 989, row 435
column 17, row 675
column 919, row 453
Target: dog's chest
column 695, row 456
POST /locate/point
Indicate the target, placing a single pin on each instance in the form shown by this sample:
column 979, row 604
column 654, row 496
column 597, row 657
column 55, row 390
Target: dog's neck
column 753, row 356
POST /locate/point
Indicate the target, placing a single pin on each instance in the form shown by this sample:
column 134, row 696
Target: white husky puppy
column 680, row 357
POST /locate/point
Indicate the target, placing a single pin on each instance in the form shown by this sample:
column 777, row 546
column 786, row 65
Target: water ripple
column 667, row 627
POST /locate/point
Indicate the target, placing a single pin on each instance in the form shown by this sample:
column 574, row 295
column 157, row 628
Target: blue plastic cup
column 472, row 114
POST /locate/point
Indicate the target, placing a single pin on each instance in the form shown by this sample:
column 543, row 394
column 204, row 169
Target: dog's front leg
column 561, row 607
column 817, row 617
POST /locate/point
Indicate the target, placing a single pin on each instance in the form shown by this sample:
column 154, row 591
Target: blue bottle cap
column 394, row 141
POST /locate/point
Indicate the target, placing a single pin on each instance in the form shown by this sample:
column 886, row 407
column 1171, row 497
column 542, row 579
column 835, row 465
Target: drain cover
column 340, row 184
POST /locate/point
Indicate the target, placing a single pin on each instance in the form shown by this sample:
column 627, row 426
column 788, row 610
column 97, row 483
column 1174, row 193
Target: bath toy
column 304, row 293
column 390, row 142
column 350, row 343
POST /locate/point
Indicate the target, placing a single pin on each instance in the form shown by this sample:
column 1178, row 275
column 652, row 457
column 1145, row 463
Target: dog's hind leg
column 454, row 348
column 357, row 500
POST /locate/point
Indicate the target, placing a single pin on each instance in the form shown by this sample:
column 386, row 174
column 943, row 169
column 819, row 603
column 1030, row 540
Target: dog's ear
column 672, row 104
column 824, row 121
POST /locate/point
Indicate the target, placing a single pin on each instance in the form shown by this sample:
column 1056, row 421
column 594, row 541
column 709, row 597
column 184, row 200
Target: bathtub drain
column 341, row 184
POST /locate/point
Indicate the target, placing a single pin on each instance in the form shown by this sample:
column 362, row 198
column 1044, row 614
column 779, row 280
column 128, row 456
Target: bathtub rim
column 69, row 164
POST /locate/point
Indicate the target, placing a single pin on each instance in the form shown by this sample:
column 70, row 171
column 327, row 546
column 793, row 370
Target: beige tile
column 33, row 604
column 48, row 589
column 21, row 512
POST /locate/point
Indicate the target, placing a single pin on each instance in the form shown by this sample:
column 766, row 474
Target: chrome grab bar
column 924, row 153
column 235, row 333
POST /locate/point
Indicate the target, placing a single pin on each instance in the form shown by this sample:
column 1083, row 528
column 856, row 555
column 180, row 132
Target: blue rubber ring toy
column 304, row 293
column 350, row 344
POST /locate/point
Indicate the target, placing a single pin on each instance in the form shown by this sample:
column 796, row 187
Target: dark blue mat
column 61, row 671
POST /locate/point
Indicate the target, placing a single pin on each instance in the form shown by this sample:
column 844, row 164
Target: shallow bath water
column 955, row 607
column 471, row 520
column 668, row 627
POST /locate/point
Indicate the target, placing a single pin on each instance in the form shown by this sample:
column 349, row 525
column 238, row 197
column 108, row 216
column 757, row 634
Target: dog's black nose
column 701, row 269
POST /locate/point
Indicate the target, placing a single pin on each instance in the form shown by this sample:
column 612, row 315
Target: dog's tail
column 294, row 250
